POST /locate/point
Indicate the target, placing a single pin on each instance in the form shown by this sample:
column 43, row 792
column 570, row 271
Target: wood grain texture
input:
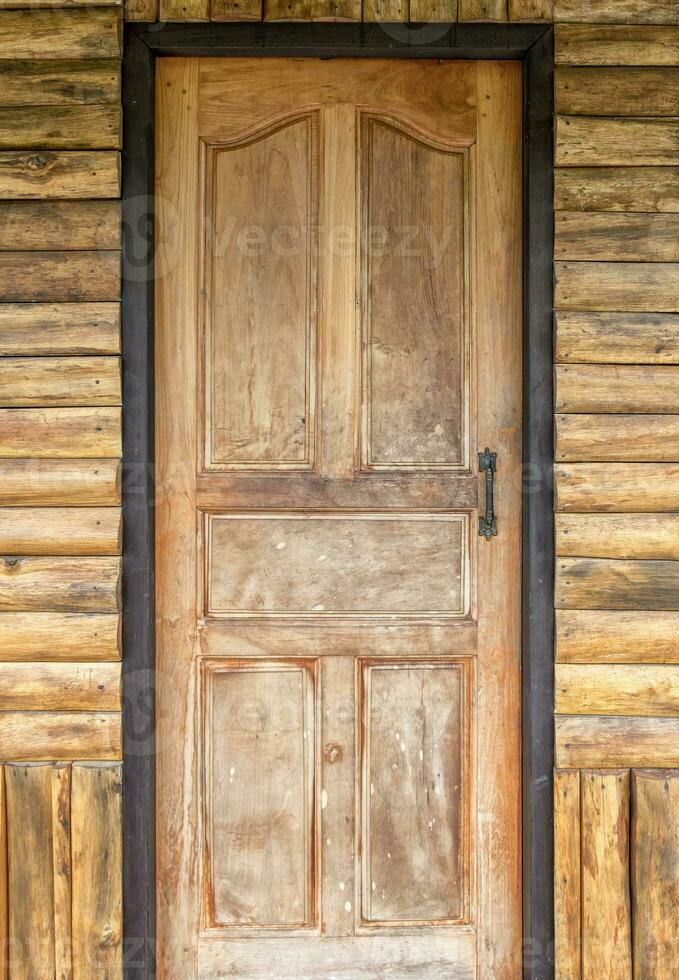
column 606, row 905
column 610, row 286
column 433, row 11
column 141, row 10
column 50, row 482
column 531, row 10
column 61, row 869
column 60, row 531
column 616, row 11
column 642, row 189
column 567, row 876
column 598, row 741
column 59, row 277
column 586, row 141
column 184, row 10
column 655, row 881
column 611, row 438
column 60, row 687
column 616, row 91
column 94, row 127
column 585, row 44
column 71, row 225
column 97, row 856
column 616, row 338
column 614, row 237
column 64, row 174
column 617, row 689
column 597, row 583
column 612, row 388
column 34, row 83
column 59, row 328
column 29, row 866
column 618, row 535
column 61, row 34
column 617, row 488
column 315, row 10
column 4, row 883
column 59, row 381
column 60, row 585
column 60, row 736
column 60, row 432
column 492, row 11
column 601, row 636
column 385, row 11
column 235, row 10
column 60, row 636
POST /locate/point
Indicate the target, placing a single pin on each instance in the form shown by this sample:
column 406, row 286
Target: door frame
column 534, row 45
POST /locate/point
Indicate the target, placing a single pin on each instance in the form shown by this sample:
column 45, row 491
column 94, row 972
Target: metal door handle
column 488, row 521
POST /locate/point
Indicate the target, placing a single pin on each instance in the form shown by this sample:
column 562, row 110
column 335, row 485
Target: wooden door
column 338, row 337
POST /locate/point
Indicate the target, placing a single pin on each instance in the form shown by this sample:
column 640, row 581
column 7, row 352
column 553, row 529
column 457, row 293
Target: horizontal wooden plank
column 93, row 127
column 59, row 277
column 651, row 287
column 432, row 11
column 616, row 438
column 59, row 328
column 60, row 636
column 60, row 585
column 60, row 530
column 586, row 141
column 655, row 882
column 64, row 174
column 616, row 689
column 618, row 91
column 618, row 535
column 60, row 482
column 59, row 736
column 589, row 44
column 597, row 583
column 531, row 11
column 69, row 433
column 615, row 237
column 379, row 11
column 57, row 381
column 616, row 338
column 60, row 225
column 616, row 11
column 613, row 388
column 59, row 82
column 608, row 742
column 61, row 34
column 616, row 487
column 60, row 687
column 592, row 636
column 630, row 189
column 300, row 10
column 50, row 4
column 145, row 11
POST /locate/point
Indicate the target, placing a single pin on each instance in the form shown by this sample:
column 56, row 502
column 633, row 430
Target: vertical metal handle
column 488, row 521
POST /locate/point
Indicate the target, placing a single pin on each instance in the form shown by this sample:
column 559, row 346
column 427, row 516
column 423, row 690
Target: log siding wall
column 616, row 475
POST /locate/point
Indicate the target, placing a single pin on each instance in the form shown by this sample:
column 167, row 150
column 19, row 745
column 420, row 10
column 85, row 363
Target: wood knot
column 36, row 162
column 333, row 752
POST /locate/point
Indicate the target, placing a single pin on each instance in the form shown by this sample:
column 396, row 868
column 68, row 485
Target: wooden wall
column 60, row 526
column 617, row 471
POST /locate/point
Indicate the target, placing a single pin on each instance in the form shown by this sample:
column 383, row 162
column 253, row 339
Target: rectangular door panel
column 259, row 727
column 320, row 566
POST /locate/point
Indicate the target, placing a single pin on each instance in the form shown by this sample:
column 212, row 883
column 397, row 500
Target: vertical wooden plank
column 567, row 876
column 97, row 856
column 433, row 11
column 385, row 10
column 4, row 897
column 606, row 912
column 492, row 11
column 228, row 10
column 184, row 10
column 61, row 860
column 145, row 11
column 655, row 874
column 531, row 10
column 29, row 872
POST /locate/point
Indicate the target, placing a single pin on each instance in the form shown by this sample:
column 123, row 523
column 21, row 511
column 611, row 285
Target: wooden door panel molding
column 338, row 651
column 325, row 566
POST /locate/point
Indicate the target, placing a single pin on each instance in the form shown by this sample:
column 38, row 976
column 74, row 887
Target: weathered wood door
column 338, row 336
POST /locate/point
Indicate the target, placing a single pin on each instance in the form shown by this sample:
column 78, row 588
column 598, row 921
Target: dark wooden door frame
column 532, row 44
